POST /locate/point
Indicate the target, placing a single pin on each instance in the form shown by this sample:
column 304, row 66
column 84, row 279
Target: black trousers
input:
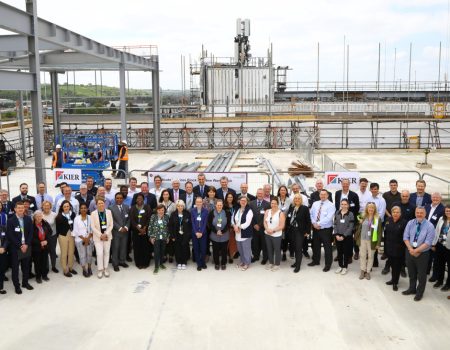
column 417, row 270
column 160, row 247
column 24, row 266
column 220, row 250
column 396, row 263
column 322, row 236
column 259, row 244
column 288, row 243
column 170, row 248
column 122, row 166
column 40, row 259
column 298, row 243
column 181, row 251
column 3, row 267
column 142, row 250
column 441, row 258
column 305, row 245
column 344, row 251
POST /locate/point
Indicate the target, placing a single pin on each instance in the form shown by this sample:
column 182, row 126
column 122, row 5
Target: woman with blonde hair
column 368, row 238
column 102, row 225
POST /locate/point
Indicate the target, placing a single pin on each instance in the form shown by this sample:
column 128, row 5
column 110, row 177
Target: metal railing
column 440, row 183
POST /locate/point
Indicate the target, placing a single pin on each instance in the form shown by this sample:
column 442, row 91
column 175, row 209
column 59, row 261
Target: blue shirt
column 38, row 199
column 327, row 211
column 426, row 233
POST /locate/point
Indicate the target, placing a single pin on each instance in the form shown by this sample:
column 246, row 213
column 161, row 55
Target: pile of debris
column 299, row 168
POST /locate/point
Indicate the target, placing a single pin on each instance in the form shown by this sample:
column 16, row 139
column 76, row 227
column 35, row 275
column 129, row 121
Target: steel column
column 123, row 110
column 36, row 103
column 22, row 127
column 156, row 108
column 55, row 107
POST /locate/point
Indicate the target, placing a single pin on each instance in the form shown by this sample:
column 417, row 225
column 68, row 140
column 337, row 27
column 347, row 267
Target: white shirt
column 275, row 219
column 157, row 192
column 236, row 220
column 111, row 195
column 81, row 228
column 381, row 205
column 73, row 201
column 432, row 209
column 326, row 213
column 364, row 198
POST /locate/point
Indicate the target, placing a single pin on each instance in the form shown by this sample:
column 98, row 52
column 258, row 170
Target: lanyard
column 180, row 219
column 416, row 236
column 2, row 219
column 87, row 225
column 102, row 217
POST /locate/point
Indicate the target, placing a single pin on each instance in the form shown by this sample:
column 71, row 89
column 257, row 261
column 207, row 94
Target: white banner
column 213, row 179
column 70, row 176
column 333, row 179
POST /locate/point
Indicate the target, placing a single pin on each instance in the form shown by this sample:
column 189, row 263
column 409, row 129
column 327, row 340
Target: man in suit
column 149, row 198
column 190, row 196
column 121, row 220
column 420, row 198
column 201, row 190
column 176, row 192
column 7, row 208
column 267, row 193
column 23, row 195
column 259, row 206
column 315, row 196
column 224, row 189
column 19, row 234
column 244, row 192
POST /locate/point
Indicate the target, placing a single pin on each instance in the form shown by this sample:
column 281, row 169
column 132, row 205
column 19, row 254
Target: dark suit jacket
column 352, row 198
column 197, row 191
column 149, row 199
column 181, row 195
column 89, row 199
column 438, row 212
column 219, row 193
column 32, row 200
column 14, row 237
column 258, row 218
column 248, row 195
column 302, row 220
column 8, row 208
column 315, row 196
column 426, row 199
column 120, row 218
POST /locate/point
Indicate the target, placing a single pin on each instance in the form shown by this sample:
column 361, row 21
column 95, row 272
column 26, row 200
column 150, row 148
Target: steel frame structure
column 40, row 45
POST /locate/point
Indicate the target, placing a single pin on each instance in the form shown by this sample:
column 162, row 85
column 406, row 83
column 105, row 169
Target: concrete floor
column 256, row 309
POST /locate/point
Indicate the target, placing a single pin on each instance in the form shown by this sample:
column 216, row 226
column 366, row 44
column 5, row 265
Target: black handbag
column 26, row 255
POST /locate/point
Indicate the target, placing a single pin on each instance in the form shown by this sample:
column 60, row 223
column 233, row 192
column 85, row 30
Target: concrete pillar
column 123, row 109
column 156, row 109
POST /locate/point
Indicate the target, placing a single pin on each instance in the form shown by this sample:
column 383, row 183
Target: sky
column 293, row 27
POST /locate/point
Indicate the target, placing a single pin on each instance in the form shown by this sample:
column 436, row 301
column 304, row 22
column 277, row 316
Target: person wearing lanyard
column 169, row 209
column 418, row 237
column 139, row 218
column 343, row 233
column 259, row 207
column 284, row 202
column 368, row 237
column 180, row 231
column 3, row 248
column 102, row 225
column 19, row 234
column 441, row 246
column 50, row 217
column 82, row 231
column 121, row 218
column 159, row 235
column 274, row 223
column 218, row 226
column 231, row 206
column 64, row 227
column 199, row 217
column 41, row 232
column 241, row 222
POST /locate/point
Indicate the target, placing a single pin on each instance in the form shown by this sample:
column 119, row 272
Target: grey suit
column 120, row 239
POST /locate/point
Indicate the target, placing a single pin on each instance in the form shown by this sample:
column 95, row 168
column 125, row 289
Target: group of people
column 167, row 223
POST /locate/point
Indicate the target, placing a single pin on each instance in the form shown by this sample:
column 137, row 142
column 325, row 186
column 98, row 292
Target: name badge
column 368, row 233
column 434, row 217
column 342, row 221
column 70, row 222
column 199, row 218
column 219, row 225
column 17, row 229
column 139, row 226
column 180, row 232
column 3, row 234
column 415, row 244
column 373, row 226
column 261, row 211
column 104, row 227
column 142, row 211
column 160, row 222
column 352, row 204
column 283, row 208
column 289, row 215
column 126, row 215
column 31, row 205
column 160, row 237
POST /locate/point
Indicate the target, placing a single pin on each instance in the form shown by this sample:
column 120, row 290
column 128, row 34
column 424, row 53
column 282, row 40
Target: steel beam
column 16, row 42
column 10, row 80
column 156, row 109
column 17, row 21
column 20, row 117
column 36, row 103
column 123, row 110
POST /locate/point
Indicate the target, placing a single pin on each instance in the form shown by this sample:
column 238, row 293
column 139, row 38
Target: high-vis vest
column 123, row 154
column 58, row 159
